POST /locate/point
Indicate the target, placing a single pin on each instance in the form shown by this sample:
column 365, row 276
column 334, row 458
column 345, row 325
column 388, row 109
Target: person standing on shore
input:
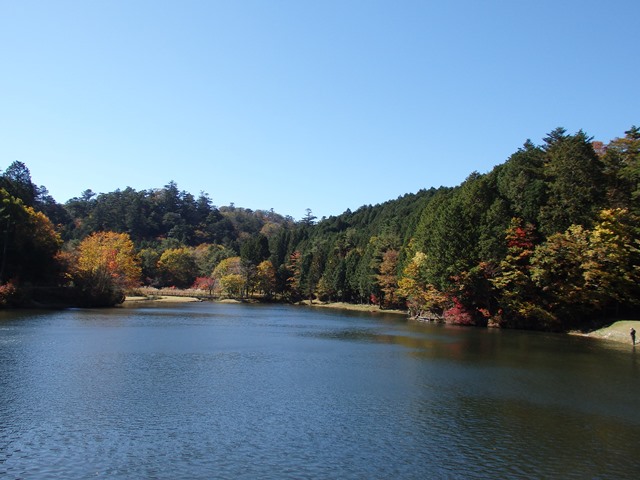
column 633, row 335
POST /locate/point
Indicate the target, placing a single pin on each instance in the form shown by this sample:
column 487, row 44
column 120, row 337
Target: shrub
column 458, row 314
column 8, row 293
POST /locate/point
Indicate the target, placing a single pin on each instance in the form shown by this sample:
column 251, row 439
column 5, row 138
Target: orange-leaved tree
column 388, row 277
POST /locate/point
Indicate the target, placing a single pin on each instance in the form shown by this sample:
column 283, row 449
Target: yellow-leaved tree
column 229, row 274
column 106, row 266
column 266, row 278
column 423, row 299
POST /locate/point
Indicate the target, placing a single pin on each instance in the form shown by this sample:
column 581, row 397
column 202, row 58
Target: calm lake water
column 203, row 391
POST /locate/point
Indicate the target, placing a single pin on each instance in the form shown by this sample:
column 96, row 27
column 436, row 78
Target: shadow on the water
column 478, row 345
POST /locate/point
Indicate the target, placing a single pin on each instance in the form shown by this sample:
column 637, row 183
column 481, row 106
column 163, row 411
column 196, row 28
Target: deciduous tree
column 208, row 284
column 230, row 275
column 388, row 277
column 106, row 265
column 612, row 265
column 517, row 295
column 557, row 268
column 113, row 252
column 423, row 299
column 178, row 267
column 266, row 278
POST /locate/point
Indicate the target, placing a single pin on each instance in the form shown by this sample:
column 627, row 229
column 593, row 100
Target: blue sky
column 290, row 105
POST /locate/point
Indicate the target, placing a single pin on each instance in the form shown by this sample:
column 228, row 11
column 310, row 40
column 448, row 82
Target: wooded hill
column 546, row 240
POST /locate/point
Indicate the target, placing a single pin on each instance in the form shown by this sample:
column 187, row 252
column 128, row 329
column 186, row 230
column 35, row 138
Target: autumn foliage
column 106, row 265
column 547, row 240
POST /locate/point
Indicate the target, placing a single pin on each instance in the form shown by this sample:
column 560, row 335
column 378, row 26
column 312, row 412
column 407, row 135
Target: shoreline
column 354, row 307
column 616, row 332
column 162, row 298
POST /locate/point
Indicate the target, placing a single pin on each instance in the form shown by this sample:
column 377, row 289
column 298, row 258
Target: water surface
column 242, row 391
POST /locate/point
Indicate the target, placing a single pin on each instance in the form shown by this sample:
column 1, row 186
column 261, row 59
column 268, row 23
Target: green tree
column 309, row 218
column 12, row 213
column 448, row 235
column 363, row 277
column 28, row 242
column 208, row 256
column 353, row 261
column 149, row 258
column 313, row 266
column 332, row 284
column 622, row 169
column 178, row 267
column 255, row 249
column 521, row 182
column 575, row 180
column 16, row 180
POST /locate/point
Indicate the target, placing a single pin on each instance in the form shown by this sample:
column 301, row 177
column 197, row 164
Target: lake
column 206, row 390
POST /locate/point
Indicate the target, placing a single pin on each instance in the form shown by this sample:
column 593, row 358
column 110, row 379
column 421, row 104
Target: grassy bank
column 617, row 332
column 353, row 307
column 162, row 298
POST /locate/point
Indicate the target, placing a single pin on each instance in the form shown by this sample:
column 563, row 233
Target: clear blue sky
column 289, row 105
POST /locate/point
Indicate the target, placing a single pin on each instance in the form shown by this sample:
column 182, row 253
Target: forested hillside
column 546, row 240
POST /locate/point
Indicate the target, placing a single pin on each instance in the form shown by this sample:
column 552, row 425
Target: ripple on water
column 304, row 396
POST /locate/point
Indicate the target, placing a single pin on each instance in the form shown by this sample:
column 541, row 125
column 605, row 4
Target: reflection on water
column 235, row 391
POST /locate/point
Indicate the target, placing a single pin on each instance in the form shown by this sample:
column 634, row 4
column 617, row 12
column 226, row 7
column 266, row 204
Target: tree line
column 546, row 240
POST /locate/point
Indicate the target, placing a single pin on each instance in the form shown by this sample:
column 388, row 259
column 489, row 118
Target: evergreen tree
column 622, row 169
column 16, row 180
column 575, row 180
column 522, row 184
